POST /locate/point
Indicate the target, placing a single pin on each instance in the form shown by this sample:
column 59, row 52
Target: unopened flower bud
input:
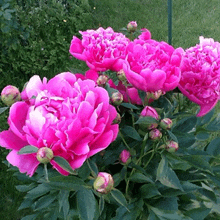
column 150, row 112
column 103, row 183
column 10, row 95
column 102, row 80
column 117, row 98
column 125, row 157
column 132, row 26
column 166, row 123
column 117, row 120
column 44, row 155
column 171, row 146
column 121, row 75
column 154, row 95
column 155, row 134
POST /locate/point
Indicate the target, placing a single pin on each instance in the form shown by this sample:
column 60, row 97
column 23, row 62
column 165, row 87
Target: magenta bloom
column 145, row 34
column 151, row 66
column 200, row 81
column 125, row 156
column 149, row 112
column 70, row 116
column 101, row 49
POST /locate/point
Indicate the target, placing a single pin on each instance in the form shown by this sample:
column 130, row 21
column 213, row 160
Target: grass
column 191, row 19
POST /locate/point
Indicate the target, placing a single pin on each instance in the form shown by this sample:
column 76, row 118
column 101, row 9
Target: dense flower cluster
column 101, row 49
column 70, row 116
column 200, row 80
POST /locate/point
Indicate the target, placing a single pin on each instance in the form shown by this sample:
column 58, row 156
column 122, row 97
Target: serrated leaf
column 86, row 204
column 119, row 197
column 28, row 150
column 140, row 178
column 167, row 176
column 64, row 164
column 131, row 132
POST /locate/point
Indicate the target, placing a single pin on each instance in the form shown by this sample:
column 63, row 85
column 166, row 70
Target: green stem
column 46, row 173
column 124, row 141
column 145, row 166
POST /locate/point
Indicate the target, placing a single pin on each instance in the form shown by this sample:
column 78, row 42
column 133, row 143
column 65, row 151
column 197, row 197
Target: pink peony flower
column 151, row 66
column 101, row 49
column 70, row 116
column 200, row 81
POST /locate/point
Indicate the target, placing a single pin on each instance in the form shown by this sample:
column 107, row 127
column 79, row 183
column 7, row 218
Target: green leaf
column 28, row 150
column 142, row 95
column 146, row 121
column 38, row 191
column 206, row 118
column 198, row 161
column 70, row 183
column 30, row 217
column 209, row 194
column 167, row 176
column 214, row 147
column 84, row 171
column 172, row 136
column 3, row 109
column 63, row 200
column 93, row 167
column 129, row 105
column 26, row 204
column 202, row 136
column 185, row 140
column 25, row 188
column 101, row 204
column 198, row 213
column 148, row 191
column 214, row 125
column 131, row 132
column 44, row 201
column 140, row 178
column 119, row 197
column 185, row 125
column 64, row 164
column 168, row 204
column 86, row 204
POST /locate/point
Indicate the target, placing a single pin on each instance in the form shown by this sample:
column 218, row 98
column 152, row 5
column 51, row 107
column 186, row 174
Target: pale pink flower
column 151, row 66
column 70, row 116
column 200, row 81
column 101, row 49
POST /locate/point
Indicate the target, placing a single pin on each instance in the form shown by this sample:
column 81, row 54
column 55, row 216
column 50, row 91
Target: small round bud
column 102, row 80
column 117, row 120
column 155, row 134
column 171, row 146
column 121, row 75
column 117, row 98
column 132, row 26
column 44, row 155
column 150, row 112
column 10, row 94
column 103, row 183
column 125, row 157
column 166, row 123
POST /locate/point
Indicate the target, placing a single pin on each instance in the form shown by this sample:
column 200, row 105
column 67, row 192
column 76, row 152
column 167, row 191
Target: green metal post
column 169, row 6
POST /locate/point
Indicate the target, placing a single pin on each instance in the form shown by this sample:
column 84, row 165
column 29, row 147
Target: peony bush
column 125, row 140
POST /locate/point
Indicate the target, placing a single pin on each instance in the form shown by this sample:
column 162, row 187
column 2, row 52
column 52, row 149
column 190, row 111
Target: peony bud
column 166, row 123
column 154, row 95
column 117, row 120
column 121, row 75
column 44, row 155
column 125, row 156
column 117, row 98
column 102, row 80
column 103, row 183
column 150, row 112
column 132, row 26
column 155, row 134
column 171, row 146
column 10, row 95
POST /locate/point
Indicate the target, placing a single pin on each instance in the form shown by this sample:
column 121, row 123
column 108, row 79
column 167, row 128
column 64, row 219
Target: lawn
column 191, row 19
